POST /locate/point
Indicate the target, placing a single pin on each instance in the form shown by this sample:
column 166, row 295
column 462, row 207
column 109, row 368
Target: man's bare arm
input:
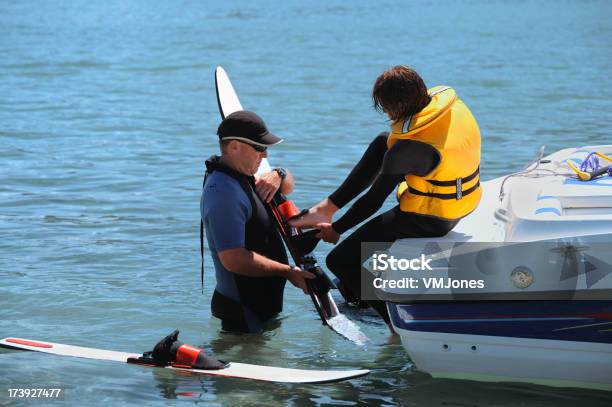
column 267, row 184
column 288, row 183
column 248, row 263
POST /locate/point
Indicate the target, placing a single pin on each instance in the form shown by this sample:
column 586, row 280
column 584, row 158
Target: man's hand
column 327, row 233
column 267, row 184
column 298, row 278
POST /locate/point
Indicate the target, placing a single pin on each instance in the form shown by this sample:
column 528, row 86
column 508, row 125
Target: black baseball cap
column 248, row 127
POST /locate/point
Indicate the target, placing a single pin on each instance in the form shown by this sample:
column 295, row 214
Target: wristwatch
column 282, row 173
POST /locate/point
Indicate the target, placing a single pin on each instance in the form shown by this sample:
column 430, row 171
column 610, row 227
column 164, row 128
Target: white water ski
column 229, row 103
column 238, row 370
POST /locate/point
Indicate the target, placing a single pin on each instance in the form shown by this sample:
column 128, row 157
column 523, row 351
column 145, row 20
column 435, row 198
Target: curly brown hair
column 400, row 92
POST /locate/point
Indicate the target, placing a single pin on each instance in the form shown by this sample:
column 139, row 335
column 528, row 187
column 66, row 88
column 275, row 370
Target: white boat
column 546, row 316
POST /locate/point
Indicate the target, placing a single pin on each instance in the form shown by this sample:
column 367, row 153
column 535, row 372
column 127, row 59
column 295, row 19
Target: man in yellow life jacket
column 431, row 156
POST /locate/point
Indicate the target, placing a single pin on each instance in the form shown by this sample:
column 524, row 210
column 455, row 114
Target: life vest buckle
column 459, row 193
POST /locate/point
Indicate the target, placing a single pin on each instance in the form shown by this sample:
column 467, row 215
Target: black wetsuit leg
column 345, row 260
column 364, row 173
column 230, row 313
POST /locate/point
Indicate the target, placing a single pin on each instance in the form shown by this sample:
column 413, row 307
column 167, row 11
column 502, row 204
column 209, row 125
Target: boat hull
column 555, row 343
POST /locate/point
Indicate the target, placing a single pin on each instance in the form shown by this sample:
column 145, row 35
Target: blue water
column 107, row 111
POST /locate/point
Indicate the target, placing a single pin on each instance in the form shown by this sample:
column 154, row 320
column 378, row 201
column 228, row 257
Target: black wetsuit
column 383, row 170
column 234, row 216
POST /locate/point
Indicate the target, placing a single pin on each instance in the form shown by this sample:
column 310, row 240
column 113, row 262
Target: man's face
column 247, row 159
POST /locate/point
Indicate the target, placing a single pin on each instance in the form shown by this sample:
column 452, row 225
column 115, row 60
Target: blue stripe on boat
column 515, row 319
column 541, row 197
column 597, row 182
column 545, row 210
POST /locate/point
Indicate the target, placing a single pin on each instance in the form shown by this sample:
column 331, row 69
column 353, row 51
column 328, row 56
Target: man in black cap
column 250, row 261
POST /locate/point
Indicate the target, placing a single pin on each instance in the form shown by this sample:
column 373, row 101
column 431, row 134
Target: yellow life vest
column 452, row 189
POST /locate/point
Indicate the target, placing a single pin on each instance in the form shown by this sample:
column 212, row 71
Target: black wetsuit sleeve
column 363, row 174
column 368, row 203
column 405, row 157
column 410, row 157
